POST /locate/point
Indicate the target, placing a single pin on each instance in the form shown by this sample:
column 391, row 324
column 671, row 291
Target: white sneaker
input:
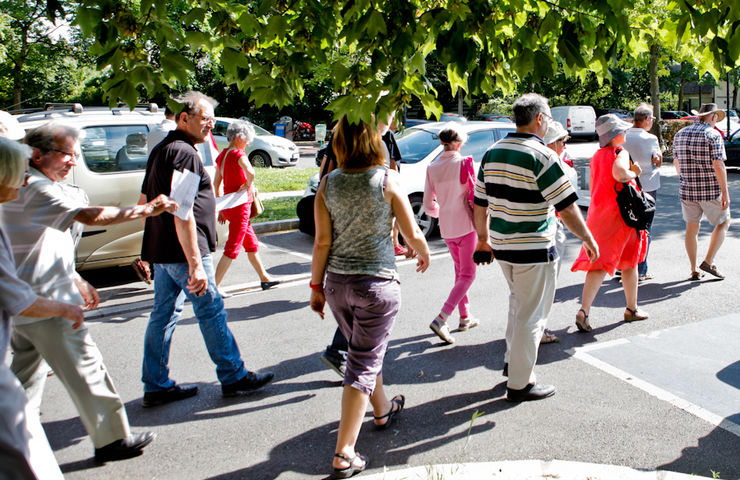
column 467, row 323
column 442, row 331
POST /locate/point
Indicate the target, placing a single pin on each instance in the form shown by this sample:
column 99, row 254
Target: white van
column 580, row 121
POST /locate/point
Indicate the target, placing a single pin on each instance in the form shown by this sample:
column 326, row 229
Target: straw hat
column 708, row 109
column 555, row 131
column 9, row 127
column 608, row 127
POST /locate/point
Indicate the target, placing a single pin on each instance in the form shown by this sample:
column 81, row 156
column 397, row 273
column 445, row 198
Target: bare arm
column 321, row 247
column 573, row 219
column 405, row 218
column 721, row 174
column 248, row 171
column 622, row 171
column 113, row 215
column 43, row 308
column 480, row 219
column 188, row 237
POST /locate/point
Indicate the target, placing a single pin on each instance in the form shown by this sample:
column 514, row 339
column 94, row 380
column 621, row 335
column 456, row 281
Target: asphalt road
column 658, row 394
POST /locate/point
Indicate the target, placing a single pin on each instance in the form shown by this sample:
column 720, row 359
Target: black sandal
column 582, row 323
column 399, row 400
column 353, row 469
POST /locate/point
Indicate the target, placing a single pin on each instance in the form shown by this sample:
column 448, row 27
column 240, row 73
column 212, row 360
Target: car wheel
column 426, row 223
column 260, row 159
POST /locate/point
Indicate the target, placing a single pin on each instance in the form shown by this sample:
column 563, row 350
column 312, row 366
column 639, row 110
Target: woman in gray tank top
column 354, row 209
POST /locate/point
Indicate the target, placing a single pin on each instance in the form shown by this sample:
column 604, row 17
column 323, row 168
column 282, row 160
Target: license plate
column 577, row 128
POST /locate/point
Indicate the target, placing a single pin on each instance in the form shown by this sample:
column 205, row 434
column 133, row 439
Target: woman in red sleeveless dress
column 620, row 247
column 238, row 175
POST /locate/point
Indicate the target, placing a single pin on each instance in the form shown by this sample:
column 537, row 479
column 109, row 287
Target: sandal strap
column 394, row 401
column 633, row 312
column 345, row 457
column 585, row 315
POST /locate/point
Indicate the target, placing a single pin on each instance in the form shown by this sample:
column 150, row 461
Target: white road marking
column 582, row 354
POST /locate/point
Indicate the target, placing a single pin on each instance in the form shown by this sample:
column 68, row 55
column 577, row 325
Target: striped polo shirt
column 522, row 183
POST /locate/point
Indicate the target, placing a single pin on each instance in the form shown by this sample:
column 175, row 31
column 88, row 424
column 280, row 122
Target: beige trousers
column 531, row 293
column 77, row 362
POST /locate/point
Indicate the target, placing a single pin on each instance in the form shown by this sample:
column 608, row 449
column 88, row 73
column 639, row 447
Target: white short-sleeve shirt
column 41, row 227
column 642, row 146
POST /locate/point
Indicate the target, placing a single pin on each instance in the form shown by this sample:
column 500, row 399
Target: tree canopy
column 374, row 53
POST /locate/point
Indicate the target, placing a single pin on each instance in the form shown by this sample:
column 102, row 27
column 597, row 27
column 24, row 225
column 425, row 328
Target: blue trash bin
column 279, row 129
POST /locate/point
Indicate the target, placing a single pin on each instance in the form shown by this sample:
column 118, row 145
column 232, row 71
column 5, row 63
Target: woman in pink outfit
column 447, row 196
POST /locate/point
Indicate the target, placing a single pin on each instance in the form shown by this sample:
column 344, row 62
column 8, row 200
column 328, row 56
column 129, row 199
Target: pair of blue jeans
column 170, row 282
column 642, row 267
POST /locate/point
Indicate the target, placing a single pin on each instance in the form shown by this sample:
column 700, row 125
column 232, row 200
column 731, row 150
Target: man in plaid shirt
column 699, row 154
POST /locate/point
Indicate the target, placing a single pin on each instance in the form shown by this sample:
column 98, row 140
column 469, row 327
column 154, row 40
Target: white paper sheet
column 183, row 190
column 232, row 200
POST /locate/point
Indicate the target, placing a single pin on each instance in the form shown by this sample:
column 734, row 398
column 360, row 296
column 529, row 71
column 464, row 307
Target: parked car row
column 420, row 145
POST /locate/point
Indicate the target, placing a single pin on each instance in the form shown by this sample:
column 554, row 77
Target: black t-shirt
column 160, row 244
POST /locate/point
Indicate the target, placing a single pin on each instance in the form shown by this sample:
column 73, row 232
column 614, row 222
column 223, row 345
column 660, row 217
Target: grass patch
column 283, row 179
column 282, row 208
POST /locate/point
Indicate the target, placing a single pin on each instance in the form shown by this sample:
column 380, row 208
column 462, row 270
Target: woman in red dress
column 237, row 175
column 620, row 247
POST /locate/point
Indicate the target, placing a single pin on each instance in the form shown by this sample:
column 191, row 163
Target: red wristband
column 318, row 288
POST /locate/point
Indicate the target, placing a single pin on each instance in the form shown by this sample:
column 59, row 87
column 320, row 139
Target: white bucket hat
column 555, row 131
column 9, row 127
column 609, row 126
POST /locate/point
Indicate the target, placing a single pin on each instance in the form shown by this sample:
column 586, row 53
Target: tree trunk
column 680, row 94
column 459, row 100
column 655, row 89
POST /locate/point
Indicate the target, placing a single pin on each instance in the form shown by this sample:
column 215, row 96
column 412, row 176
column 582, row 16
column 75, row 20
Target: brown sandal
column 582, row 321
column 549, row 337
column 636, row 314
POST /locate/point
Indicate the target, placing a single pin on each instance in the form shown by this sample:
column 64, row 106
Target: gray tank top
column 361, row 224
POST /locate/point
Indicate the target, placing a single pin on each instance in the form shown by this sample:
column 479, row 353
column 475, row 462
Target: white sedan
column 266, row 150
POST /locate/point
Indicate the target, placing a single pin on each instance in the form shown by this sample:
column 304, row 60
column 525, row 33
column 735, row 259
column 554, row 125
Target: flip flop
column 353, row 469
column 549, row 337
column 399, row 400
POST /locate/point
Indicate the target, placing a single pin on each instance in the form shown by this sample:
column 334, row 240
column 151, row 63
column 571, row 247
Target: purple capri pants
column 365, row 308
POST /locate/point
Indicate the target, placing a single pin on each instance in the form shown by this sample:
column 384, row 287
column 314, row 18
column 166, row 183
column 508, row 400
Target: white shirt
column 642, row 146
column 42, row 230
column 158, row 132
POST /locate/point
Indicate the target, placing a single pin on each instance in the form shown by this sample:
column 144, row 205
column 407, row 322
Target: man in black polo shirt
column 180, row 251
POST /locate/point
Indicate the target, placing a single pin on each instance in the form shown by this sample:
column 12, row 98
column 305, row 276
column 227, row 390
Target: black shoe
column 530, row 392
column 335, row 364
column 129, row 447
column 250, row 382
column 505, row 373
column 270, row 284
column 172, row 394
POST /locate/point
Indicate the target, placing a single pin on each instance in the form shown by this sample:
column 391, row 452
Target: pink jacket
column 443, row 185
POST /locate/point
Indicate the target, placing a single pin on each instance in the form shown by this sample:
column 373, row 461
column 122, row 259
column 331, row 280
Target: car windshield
column 415, row 144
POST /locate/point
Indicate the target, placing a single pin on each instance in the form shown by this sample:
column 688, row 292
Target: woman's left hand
column 244, row 186
column 317, row 302
column 221, row 218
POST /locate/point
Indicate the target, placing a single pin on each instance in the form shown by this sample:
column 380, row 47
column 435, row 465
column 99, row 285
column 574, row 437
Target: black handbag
column 636, row 207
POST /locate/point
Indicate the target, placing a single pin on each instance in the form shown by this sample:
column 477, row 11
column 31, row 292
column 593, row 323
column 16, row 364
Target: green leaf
column 176, row 66
column 88, row 19
column 196, row 15
column 375, row 24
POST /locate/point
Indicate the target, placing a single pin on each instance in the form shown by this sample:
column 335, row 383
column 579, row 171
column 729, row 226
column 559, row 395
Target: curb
column 275, row 226
column 529, row 470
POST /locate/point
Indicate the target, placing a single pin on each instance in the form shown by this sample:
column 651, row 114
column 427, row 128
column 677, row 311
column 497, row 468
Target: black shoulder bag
column 635, row 206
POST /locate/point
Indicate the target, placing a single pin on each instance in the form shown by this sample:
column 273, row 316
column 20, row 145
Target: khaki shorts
column 712, row 209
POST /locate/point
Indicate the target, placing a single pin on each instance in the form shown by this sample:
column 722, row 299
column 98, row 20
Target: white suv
column 114, row 155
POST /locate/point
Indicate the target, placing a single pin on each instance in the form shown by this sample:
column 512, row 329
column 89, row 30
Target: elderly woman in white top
column 23, row 445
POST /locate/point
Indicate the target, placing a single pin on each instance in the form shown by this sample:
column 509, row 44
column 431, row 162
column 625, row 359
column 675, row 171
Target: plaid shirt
column 695, row 148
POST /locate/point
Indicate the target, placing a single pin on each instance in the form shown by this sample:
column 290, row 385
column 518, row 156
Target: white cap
column 9, row 127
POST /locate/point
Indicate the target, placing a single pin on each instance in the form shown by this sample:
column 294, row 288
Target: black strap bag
column 636, row 207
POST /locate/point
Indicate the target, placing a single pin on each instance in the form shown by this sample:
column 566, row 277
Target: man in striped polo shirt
column 521, row 183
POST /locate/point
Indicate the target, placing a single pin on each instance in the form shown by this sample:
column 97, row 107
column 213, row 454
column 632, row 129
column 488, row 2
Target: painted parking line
column 694, row 367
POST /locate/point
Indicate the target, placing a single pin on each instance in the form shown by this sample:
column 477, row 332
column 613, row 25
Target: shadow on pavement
column 393, row 447
column 709, row 456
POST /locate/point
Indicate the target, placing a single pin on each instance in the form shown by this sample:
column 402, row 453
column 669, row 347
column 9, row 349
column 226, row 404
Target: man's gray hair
column 241, row 129
column 43, row 137
column 643, row 112
column 527, row 107
column 190, row 102
column 13, row 161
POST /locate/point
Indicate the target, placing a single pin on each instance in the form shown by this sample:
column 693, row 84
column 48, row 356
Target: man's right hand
column 198, row 280
column 74, row 313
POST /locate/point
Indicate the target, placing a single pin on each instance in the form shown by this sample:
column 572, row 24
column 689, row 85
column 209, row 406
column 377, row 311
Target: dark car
column 732, row 147
column 673, row 114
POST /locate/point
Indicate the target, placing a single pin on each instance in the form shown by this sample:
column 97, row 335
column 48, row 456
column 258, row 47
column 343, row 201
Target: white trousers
column 532, row 290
